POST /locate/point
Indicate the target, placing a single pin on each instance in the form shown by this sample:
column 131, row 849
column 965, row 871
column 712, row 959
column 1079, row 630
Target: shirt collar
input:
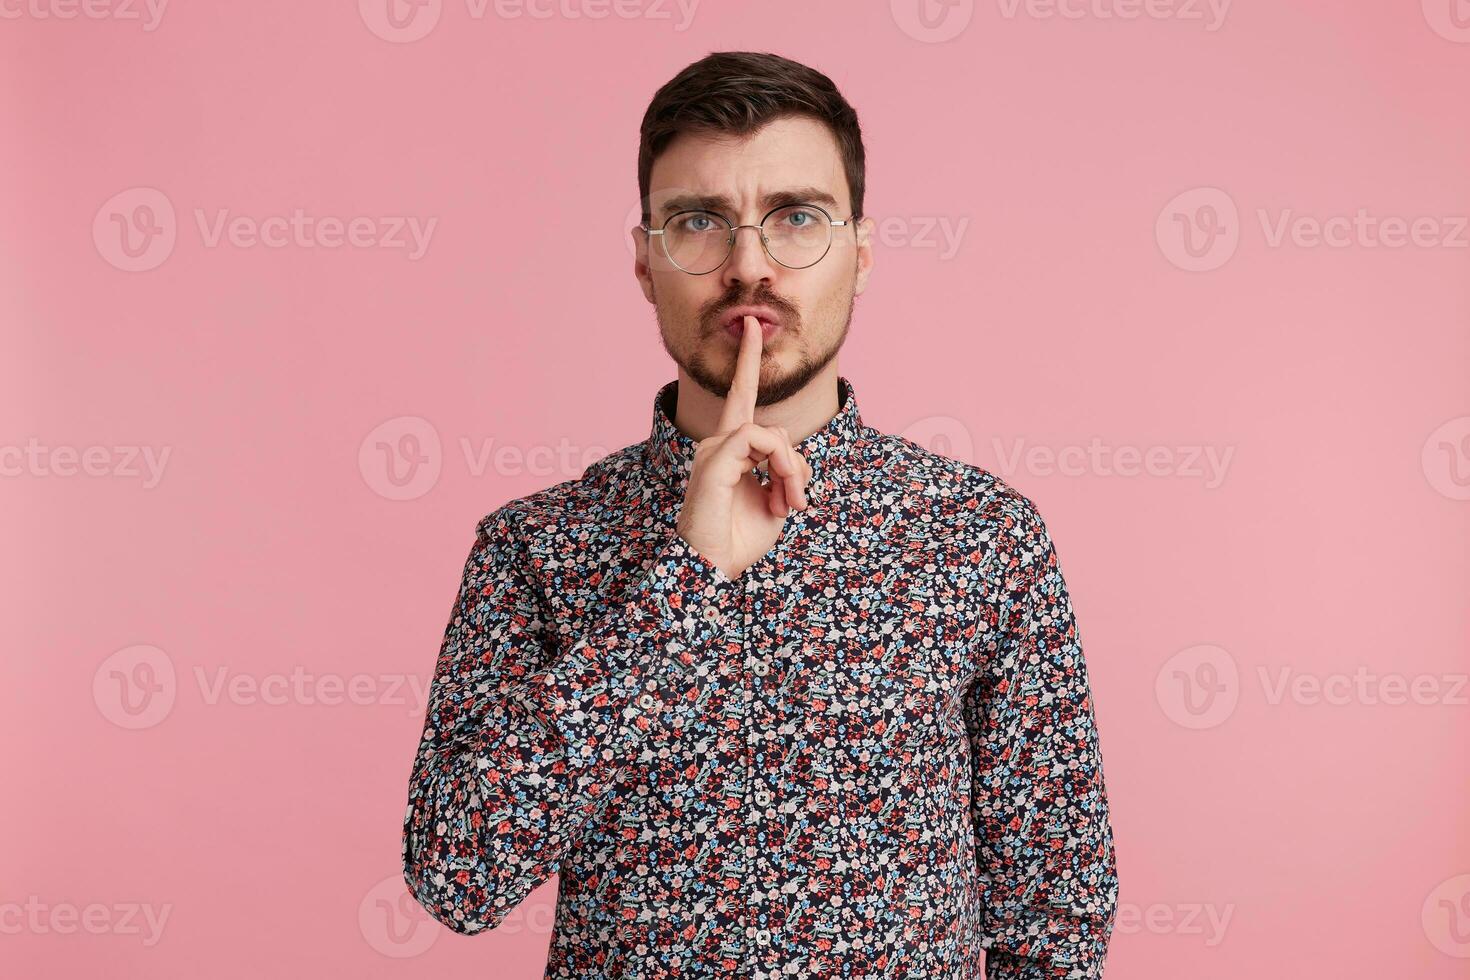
column 833, row 451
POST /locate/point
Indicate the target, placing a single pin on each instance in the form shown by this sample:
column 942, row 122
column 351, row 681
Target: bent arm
column 521, row 747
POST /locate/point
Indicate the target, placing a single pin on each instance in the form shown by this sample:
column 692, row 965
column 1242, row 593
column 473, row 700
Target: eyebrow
column 769, row 202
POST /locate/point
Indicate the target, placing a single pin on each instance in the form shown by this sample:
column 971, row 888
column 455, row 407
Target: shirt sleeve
column 523, row 744
column 1044, row 839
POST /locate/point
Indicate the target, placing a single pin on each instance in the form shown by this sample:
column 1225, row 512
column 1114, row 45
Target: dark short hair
column 738, row 92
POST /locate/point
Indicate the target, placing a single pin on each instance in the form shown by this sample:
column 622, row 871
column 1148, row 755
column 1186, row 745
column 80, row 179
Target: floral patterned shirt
column 872, row 754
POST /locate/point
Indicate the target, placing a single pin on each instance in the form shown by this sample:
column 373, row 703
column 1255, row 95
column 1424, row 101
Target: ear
column 864, row 234
column 640, row 261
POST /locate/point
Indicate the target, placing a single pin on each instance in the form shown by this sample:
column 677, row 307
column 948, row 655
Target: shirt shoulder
column 595, row 499
column 957, row 497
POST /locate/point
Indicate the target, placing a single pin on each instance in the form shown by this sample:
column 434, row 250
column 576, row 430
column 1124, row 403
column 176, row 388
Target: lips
column 734, row 321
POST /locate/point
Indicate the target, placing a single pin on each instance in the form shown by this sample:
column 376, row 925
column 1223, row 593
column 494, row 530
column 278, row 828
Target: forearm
column 500, row 794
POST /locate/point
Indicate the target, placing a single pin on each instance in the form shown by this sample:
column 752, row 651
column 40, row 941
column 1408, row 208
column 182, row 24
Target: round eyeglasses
column 698, row 242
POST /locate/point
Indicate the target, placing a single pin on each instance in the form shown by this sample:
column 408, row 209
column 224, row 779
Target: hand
column 728, row 516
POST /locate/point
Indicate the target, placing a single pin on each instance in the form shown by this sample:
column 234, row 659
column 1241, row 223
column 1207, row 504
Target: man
column 775, row 693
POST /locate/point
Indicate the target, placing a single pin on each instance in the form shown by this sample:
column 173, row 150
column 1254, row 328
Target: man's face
column 809, row 309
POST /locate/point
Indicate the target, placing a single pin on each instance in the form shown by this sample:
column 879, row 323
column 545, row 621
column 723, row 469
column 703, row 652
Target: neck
column 697, row 412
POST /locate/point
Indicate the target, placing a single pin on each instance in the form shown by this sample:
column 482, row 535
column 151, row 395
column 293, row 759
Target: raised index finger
column 740, row 402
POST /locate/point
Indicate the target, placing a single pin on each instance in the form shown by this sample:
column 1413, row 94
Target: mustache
column 713, row 314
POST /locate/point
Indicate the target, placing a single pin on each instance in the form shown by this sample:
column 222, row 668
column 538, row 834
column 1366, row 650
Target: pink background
column 1260, row 830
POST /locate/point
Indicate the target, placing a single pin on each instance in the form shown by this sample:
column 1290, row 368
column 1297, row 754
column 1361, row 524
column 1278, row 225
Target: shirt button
column 763, row 937
column 762, row 797
column 647, row 701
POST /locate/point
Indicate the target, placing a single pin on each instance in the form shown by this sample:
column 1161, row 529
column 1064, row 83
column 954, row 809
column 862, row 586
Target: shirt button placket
column 762, row 612
column 776, row 829
column 753, row 787
column 760, row 606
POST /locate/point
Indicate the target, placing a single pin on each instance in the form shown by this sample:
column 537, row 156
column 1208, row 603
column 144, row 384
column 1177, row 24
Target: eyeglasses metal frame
column 733, row 228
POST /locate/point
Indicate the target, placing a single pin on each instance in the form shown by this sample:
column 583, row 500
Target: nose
column 748, row 261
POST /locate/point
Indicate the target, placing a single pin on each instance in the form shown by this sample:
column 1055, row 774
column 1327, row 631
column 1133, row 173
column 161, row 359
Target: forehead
column 790, row 152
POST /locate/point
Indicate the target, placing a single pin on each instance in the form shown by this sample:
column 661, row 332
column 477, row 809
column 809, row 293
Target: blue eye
column 697, row 223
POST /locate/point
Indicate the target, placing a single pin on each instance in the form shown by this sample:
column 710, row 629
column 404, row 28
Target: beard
column 770, row 390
